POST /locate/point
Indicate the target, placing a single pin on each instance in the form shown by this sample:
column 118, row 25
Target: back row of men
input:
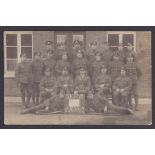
column 104, row 72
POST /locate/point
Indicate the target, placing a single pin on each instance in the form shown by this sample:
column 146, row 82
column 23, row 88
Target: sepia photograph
column 77, row 77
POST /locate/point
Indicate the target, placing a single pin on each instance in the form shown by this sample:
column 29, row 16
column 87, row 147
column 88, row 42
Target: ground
column 12, row 116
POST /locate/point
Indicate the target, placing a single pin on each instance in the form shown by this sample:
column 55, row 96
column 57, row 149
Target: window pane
column 128, row 38
column 62, row 39
column 27, row 51
column 11, row 52
column 26, row 40
column 113, row 39
column 11, row 65
column 11, row 39
column 78, row 37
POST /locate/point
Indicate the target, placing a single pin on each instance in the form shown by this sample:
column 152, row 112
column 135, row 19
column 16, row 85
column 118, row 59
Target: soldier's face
column 93, row 47
column 47, row 73
column 49, row 55
column 103, row 70
column 98, row 57
column 79, row 55
column 129, row 48
column 116, row 58
column 82, row 73
column 64, row 57
column 120, row 48
column 77, row 45
column 64, row 72
column 123, row 72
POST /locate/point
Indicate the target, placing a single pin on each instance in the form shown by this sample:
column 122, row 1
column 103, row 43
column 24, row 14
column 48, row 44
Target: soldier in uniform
column 61, row 49
column 37, row 69
column 130, row 51
column 76, row 48
column 121, row 52
column 49, row 61
column 121, row 88
column 23, row 77
column 61, row 64
column 107, row 53
column 134, row 73
column 48, row 86
column 82, row 82
column 65, row 81
column 115, row 66
column 96, row 66
column 92, row 52
column 103, row 82
column 102, row 87
column 79, row 62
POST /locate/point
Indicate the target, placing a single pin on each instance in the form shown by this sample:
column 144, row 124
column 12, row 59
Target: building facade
column 16, row 42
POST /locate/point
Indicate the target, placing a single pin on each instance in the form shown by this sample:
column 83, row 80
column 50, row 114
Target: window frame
column 7, row 73
column 120, row 34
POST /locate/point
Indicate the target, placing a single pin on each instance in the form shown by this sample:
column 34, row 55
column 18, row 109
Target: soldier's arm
column 114, row 86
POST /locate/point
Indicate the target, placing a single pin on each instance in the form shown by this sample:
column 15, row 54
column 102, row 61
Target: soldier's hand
column 122, row 90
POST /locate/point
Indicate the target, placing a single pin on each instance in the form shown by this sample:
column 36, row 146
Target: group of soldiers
column 98, row 75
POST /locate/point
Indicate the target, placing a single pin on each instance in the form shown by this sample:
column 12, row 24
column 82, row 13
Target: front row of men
column 52, row 89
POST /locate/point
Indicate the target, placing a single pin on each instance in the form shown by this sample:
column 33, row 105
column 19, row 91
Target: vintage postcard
column 77, row 77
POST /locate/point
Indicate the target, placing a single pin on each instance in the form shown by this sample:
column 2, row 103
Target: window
column 16, row 43
column 68, row 37
column 124, row 37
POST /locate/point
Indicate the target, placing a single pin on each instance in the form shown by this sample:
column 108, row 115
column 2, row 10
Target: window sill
column 9, row 75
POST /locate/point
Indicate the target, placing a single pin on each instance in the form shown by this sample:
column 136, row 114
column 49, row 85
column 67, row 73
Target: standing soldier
column 79, row 62
column 61, row 64
column 91, row 53
column 82, row 82
column 76, row 48
column 134, row 73
column 23, row 77
column 121, row 52
column 121, row 88
column 115, row 66
column 96, row 66
column 65, row 81
column 49, row 61
column 107, row 53
column 37, row 67
column 48, row 86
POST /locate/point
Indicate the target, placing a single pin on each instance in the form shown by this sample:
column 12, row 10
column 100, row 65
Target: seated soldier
column 48, row 86
column 82, row 82
column 121, row 88
column 103, row 82
column 91, row 53
column 61, row 64
column 79, row 62
column 65, row 81
column 134, row 73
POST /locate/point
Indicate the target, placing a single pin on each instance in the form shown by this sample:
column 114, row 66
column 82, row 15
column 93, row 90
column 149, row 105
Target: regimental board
column 75, row 104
